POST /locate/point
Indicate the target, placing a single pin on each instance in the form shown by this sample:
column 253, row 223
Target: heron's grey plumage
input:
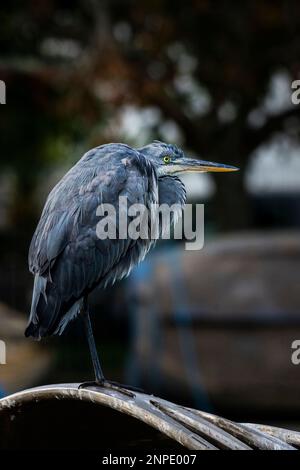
column 66, row 256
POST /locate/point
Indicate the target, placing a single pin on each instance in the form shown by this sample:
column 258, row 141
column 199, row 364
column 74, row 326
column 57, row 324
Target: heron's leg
column 99, row 376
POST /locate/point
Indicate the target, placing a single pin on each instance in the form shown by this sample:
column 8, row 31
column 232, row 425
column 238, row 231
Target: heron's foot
column 111, row 385
column 91, row 383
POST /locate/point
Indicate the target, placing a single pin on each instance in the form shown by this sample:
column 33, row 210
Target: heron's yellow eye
column 166, row 159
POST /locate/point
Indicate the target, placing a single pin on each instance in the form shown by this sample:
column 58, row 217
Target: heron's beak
column 192, row 165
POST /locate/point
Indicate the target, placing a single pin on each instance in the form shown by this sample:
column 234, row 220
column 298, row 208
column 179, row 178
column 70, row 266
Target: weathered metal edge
column 193, row 429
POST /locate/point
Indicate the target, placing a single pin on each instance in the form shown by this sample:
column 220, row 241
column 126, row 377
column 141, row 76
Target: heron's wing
column 66, row 251
column 70, row 210
column 87, row 260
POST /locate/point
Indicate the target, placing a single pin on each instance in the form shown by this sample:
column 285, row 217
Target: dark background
column 214, row 78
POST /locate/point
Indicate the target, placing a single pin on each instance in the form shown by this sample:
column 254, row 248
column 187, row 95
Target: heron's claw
column 110, row 383
column 91, row 383
column 126, row 389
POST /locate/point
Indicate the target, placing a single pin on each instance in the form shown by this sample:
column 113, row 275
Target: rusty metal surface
column 193, row 429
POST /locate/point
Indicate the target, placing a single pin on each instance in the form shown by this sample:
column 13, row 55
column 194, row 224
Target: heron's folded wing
column 65, row 248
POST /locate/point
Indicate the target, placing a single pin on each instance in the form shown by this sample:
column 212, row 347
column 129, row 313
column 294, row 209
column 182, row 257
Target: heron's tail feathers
column 44, row 309
column 48, row 316
column 32, row 330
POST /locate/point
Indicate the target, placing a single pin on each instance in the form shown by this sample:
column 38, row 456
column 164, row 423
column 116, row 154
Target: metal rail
column 193, row 429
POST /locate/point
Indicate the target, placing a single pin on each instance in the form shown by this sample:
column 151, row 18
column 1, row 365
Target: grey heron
column 67, row 258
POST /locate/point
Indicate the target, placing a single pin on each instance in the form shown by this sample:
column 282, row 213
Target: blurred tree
column 207, row 66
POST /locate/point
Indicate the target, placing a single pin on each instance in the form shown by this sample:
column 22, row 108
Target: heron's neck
column 171, row 190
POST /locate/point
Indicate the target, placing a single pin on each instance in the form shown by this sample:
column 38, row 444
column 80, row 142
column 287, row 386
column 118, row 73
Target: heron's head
column 170, row 160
